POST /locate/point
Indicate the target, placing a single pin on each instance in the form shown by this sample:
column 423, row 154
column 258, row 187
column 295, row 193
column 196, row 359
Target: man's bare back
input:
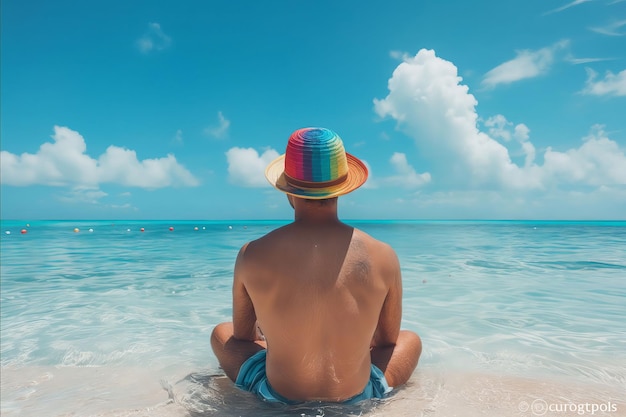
column 327, row 298
column 318, row 293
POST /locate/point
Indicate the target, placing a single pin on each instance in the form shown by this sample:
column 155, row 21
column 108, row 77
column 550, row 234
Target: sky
column 172, row 109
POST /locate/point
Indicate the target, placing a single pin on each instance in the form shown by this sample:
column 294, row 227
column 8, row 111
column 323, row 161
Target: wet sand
column 109, row 392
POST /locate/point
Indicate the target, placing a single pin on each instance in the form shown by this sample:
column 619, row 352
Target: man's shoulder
column 271, row 236
column 265, row 242
column 371, row 241
column 380, row 254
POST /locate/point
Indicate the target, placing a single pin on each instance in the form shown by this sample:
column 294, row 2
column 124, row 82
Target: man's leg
column 399, row 361
column 232, row 353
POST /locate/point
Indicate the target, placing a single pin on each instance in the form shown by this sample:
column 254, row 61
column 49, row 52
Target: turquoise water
column 533, row 300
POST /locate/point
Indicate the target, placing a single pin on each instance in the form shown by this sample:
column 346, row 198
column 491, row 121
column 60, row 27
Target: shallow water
column 117, row 322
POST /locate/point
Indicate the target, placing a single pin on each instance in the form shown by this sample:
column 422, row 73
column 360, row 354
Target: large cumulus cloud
column 431, row 105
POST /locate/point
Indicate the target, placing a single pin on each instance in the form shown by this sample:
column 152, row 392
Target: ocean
column 517, row 318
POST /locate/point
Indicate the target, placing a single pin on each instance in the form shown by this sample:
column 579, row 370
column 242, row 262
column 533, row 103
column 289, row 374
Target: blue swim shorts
column 252, row 377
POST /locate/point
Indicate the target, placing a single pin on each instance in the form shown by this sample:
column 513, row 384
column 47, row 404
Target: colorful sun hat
column 316, row 166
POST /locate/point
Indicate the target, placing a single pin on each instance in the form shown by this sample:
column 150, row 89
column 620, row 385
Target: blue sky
column 171, row 110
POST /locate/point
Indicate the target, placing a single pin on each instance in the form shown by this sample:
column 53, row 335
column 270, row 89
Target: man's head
column 316, row 166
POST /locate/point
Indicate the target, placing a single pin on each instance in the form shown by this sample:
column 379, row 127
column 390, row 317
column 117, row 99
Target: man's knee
column 411, row 342
column 220, row 335
column 410, row 337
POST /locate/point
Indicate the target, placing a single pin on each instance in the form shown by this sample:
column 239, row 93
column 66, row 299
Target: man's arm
column 388, row 327
column 244, row 316
column 234, row 343
column 393, row 351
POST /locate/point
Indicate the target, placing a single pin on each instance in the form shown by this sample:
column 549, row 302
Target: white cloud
column 121, row 166
column 501, row 128
column 611, row 85
column 522, row 135
column 178, row 136
column 498, row 127
column 154, row 39
column 399, row 55
column 599, row 162
column 406, row 176
column 567, row 6
column 221, row 129
column 527, row 64
column 91, row 195
column 247, row 168
column 64, row 162
column 601, row 203
column 124, row 206
column 83, row 194
column 430, row 105
column 612, row 29
column 579, row 61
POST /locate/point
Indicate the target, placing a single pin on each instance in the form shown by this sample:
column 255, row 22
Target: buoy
column 230, row 228
column 8, row 232
column 128, row 230
column 90, row 230
column 195, row 228
column 23, row 231
column 27, row 224
column 76, row 230
column 171, row 229
column 142, row 230
column 203, row 228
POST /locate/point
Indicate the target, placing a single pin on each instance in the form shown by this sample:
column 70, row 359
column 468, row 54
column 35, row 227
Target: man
column 317, row 304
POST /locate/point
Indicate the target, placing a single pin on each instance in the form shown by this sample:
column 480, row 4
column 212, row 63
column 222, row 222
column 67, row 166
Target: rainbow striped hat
column 316, row 166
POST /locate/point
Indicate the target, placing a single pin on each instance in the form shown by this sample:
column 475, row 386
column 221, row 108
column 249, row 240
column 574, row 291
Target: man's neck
column 316, row 218
column 308, row 213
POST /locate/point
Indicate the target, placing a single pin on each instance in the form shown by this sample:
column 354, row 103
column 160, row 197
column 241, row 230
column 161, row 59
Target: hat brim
column 357, row 175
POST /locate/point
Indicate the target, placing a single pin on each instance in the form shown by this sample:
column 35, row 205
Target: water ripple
column 526, row 298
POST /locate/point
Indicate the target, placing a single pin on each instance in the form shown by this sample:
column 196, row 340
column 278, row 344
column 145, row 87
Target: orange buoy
column 76, row 230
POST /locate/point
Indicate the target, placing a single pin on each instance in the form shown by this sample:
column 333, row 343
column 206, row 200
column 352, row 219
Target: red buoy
column 142, row 229
column 23, row 231
column 171, row 229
